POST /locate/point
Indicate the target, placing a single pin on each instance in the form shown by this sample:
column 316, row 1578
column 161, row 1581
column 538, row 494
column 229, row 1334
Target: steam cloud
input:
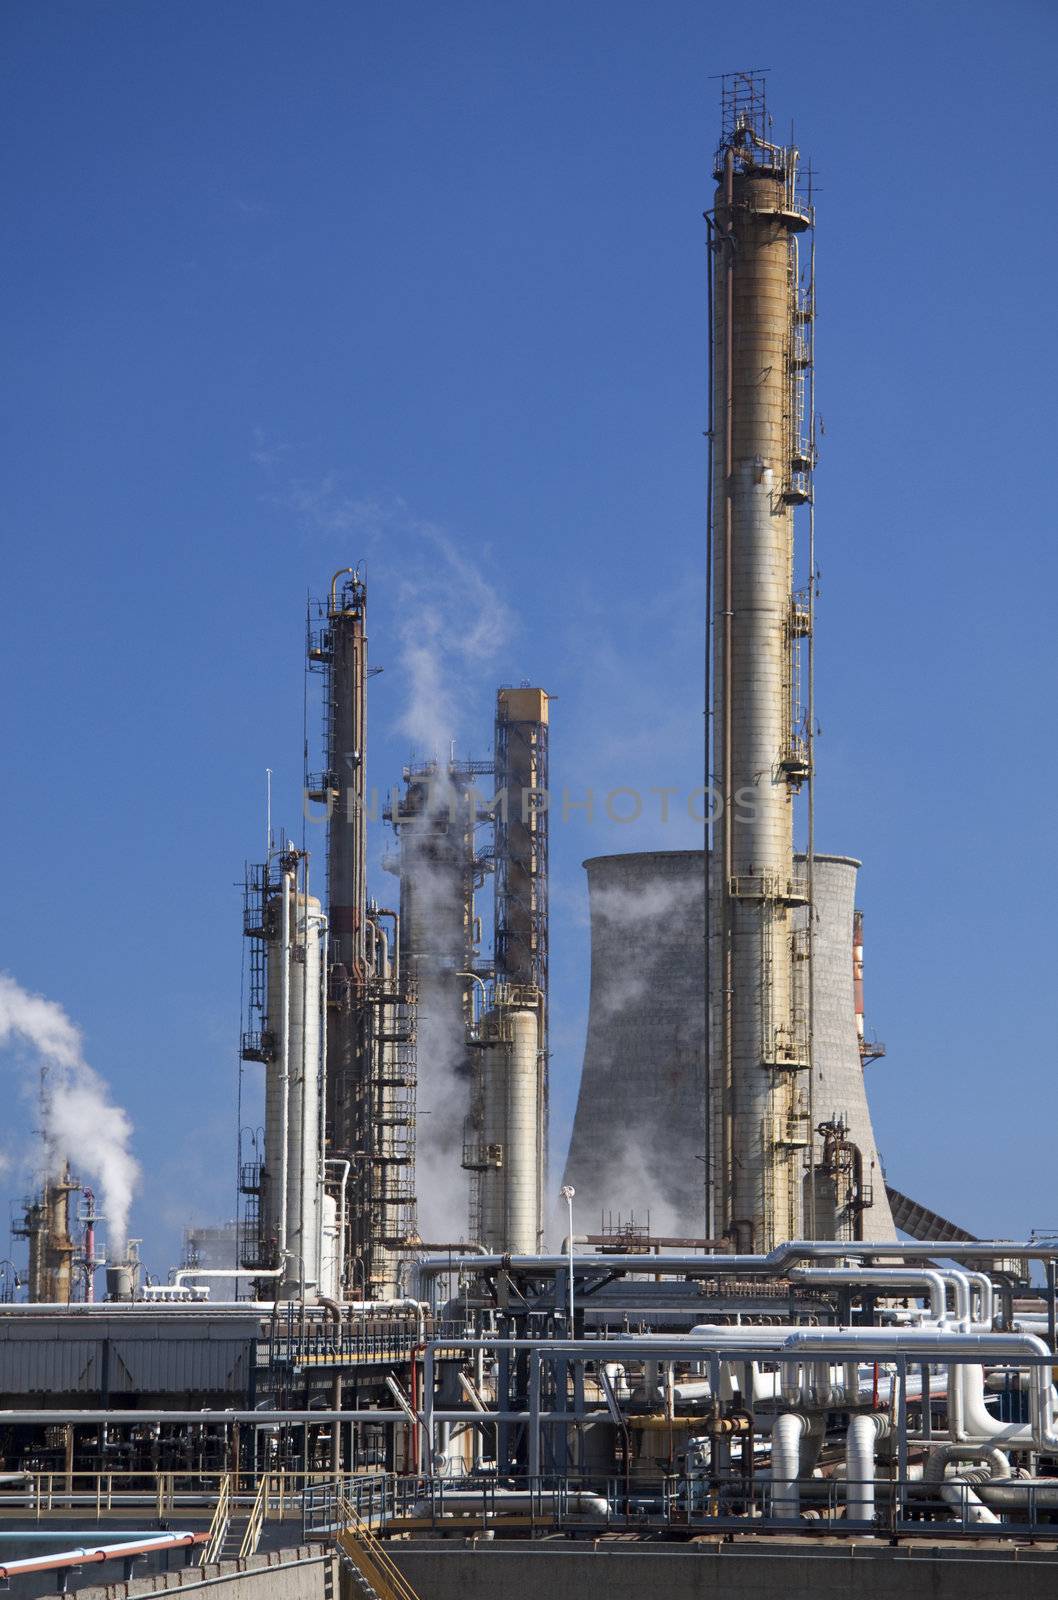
column 443, row 1081
column 625, row 1172
column 81, row 1123
column 450, row 631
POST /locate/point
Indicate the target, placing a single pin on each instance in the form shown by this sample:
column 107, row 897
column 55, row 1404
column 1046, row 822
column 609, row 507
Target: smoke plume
column 628, row 1165
column 81, row 1123
column 451, row 628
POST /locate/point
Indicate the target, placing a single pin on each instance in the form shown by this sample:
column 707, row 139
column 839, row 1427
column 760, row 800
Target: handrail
column 366, row 1551
column 252, row 1537
column 219, row 1526
column 53, row 1492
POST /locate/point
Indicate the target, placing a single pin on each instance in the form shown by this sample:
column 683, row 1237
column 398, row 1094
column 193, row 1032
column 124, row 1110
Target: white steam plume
column 435, row 885
column 452, row 625
column 627, row 1173
column 637, row 917
column 81, row 1123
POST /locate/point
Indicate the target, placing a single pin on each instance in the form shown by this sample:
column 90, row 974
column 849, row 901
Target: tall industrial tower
column 506, row 1142
column 370, row 1055
column 762, row 455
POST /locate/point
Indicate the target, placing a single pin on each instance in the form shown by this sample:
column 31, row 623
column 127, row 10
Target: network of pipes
column 796, row 1345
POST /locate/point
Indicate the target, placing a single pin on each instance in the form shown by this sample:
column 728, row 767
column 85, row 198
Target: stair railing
column 218, row 1528
column 255, row 1522
column 367, row 1553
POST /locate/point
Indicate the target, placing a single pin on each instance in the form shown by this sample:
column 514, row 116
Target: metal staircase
column 233, row 1536
column 365, row 1559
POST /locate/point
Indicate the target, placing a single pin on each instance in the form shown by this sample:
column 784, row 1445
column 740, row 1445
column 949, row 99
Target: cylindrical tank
column 329, row 1253
column 523, row 1112
column 494, row 1062
column 293, row 1213
column 119, row 1281
column 510, row 1134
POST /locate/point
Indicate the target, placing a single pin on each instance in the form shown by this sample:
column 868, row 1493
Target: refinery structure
column 756, row 1346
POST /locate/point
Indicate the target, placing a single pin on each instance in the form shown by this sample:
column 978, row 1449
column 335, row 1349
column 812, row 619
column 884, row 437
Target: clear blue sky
column 289, row 285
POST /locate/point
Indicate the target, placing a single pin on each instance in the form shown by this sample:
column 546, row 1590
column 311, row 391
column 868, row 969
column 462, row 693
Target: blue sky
column 292, row 286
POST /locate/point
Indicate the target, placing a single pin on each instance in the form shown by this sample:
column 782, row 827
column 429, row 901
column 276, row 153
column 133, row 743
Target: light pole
column 567, row 1191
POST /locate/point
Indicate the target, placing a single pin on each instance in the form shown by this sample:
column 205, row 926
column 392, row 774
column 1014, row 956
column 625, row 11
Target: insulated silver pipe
column 864, row 1432
column 879, row 1277
column 775, row 1262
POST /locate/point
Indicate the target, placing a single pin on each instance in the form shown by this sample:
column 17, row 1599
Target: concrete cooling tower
column 639, row 1134
column 839, row 1092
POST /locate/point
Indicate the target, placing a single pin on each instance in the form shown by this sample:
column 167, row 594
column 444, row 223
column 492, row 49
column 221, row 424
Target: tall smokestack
column 761, row 746
column 508, row 1146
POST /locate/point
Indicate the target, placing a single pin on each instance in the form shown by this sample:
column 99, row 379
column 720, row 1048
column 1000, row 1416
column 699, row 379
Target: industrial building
column 741, row 1354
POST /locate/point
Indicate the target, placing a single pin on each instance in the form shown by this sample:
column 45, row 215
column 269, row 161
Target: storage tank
column 510, row 1158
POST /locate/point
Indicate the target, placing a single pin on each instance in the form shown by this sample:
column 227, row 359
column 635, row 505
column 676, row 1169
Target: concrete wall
column 301, row 1572
column 866, row 1570
column 639, row 1130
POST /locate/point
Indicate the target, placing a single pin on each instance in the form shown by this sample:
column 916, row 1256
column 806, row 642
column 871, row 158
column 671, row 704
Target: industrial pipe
column 789, row 1429
column 487, row 1497
column 346, row 1166
column 879, row 1277
column 863, row 1434
column 957, row 1492
column 183, row 1273
column 89, row 1555
column 774, row 1263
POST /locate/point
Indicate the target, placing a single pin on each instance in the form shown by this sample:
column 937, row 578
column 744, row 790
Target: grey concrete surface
column 846, row 1571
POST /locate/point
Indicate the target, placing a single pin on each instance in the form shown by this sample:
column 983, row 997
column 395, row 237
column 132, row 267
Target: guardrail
column 357, row 1543
column 374, row 1497
column 218, row 1528
column 905, row 1507
column 339, row 1347
column 256, row 1520
column 54, row 1493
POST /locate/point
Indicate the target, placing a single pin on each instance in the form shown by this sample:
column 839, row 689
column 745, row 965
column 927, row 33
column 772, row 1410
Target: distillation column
column 509, row 1146
column 338, row 649
column 370, row 1112
column 759, row 1052
column 46, row 1224
column 292, row 1181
